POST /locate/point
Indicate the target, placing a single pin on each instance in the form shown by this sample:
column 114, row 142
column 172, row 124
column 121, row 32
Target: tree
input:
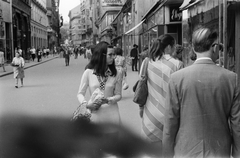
column 64, row 34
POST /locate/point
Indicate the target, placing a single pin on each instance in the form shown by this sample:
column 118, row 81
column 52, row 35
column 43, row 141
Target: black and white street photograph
column 119, row 78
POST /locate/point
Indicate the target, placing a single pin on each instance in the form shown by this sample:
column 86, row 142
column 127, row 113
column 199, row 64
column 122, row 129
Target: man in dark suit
column 202, row 117
column 134, row 56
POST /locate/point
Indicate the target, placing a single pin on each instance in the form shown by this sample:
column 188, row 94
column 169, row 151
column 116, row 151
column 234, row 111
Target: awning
column 134, row 27
column 188, row 3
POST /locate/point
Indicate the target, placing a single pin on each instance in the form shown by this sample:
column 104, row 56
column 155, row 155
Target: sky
column 65, row 6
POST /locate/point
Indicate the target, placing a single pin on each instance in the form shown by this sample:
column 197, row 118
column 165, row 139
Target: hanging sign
column 175, row 14
column 112, row 2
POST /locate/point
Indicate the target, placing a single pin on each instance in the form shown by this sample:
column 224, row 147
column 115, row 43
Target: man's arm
column 235, row 122
column 172, row 120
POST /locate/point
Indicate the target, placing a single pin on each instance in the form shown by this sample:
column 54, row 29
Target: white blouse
column 113, row 91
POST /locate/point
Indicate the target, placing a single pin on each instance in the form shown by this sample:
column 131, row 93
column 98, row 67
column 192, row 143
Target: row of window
column 38, row 30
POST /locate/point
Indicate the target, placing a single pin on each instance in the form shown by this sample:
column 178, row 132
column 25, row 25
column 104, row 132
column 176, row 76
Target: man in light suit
column 202, row 117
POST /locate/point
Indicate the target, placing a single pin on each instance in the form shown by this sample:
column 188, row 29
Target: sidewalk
column 28, row 64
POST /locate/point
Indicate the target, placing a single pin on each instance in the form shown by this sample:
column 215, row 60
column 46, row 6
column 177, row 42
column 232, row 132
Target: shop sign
column 112, row 2
column 175, row 14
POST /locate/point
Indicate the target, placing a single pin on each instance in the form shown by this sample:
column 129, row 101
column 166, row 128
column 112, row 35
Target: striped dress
column 158, row 72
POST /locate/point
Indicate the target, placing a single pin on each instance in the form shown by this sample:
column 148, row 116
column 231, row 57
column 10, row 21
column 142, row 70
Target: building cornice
column 39, row 5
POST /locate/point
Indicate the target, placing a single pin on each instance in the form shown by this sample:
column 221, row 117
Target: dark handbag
column 82, row 113
column 140, row 88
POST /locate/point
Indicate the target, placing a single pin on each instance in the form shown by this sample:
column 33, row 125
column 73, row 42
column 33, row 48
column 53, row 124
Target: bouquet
column 97, row 94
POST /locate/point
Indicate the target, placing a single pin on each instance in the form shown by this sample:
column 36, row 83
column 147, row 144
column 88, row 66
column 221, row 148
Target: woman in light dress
column 18, row 68
column 120, row 63
column 101, row 73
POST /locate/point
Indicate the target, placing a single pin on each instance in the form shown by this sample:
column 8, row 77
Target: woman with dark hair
column 161, row 65
column 102, row 74
column 120, row 63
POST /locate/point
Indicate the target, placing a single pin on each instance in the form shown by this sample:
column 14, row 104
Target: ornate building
column 39, row 23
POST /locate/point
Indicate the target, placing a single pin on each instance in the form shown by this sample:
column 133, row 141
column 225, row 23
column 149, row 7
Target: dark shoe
column 16, row 86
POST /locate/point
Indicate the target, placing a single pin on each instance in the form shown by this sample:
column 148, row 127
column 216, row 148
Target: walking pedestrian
column 102, row 74
column 120, row 63
column 2, row 61
column 18, row 68
column 134, row 57
column 47, row 51
column 203, row 105
column 75, row 50
column 33, row 53
column 160, row 67
column 66, row 54
column 88, row 53
column 39, row 54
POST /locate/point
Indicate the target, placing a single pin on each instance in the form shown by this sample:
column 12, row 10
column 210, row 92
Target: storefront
column 164, row 17
column 220, row 15
column 21, row 13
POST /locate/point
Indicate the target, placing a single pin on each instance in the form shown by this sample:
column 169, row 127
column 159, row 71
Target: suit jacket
column 202, row 117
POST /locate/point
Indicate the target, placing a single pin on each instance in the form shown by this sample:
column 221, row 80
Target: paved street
column 50, row 89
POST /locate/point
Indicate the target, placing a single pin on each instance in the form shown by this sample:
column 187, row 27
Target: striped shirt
column 158, row 72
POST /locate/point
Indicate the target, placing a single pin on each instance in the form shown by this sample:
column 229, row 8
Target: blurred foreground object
column 41, row 137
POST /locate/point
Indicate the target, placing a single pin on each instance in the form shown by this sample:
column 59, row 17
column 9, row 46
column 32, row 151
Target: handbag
column 82, row 113
column 140, row 88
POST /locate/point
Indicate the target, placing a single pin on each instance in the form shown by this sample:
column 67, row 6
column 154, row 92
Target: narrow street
column 50, row 89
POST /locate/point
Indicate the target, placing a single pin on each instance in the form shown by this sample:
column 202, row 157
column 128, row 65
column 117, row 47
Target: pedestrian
column 134, row 57
column 2, row 61
column 75, row 52
column 33, row 53
column 39, row 54
column 160, row 67
column 178, row 53
column 18, row 68
column 47, row 51
column 88, row 53
column 120, row 63
column 102, row 74
column 66, row 54
column 44, row 51
column 144, row 53
column 203, row 105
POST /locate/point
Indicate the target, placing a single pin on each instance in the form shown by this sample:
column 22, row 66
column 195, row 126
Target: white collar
column 203, row 58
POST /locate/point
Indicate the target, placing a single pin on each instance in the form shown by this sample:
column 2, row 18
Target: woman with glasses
column 161, row 65
column 101, row 73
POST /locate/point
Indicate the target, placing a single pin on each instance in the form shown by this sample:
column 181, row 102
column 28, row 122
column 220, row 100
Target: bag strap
column 145, row 67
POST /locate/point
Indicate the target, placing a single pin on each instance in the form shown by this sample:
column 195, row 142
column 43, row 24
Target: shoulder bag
column 140, row 88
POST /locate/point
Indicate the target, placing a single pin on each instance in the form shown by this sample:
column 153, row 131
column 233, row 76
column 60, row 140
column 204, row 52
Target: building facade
column 75, row 25
column 5, row 30
column 53, row 28
column 21, row 17
column 39, row 23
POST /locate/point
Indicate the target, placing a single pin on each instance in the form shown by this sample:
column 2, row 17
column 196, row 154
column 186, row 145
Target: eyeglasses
column 220, row 46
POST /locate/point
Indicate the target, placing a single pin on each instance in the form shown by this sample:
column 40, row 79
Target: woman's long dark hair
column 98, row 60
column 159, row 45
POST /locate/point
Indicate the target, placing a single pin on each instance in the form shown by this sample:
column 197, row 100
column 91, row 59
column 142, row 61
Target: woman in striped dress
column 161, row 65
